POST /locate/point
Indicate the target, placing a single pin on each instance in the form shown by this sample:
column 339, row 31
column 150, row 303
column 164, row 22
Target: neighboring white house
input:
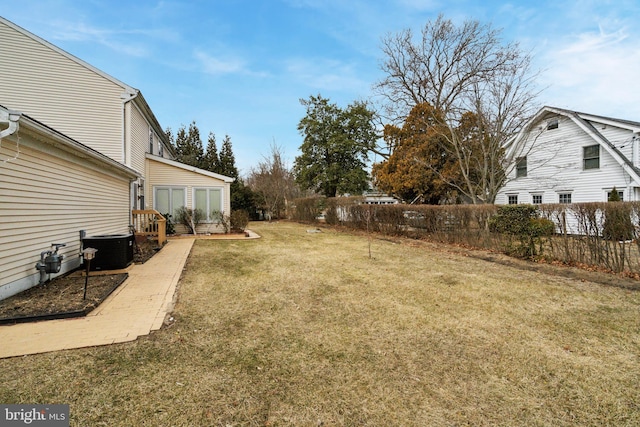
column 84, row 150
column 564, row 156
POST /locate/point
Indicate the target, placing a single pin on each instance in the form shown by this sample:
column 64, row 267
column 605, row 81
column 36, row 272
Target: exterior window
column 169, row 199
column 536, row 199
column 552, row 124
column 591, row 157
column 620, row 195
column 208, row 200
column 521, row 167
column 160, row 149
column 150, row 141
column 513, row 199
column 564, row 198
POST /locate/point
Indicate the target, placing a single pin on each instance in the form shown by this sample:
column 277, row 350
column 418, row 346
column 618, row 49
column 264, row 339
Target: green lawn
column 305, row 329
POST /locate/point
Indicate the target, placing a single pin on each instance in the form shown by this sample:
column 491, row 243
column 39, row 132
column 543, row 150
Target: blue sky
column 239, row 67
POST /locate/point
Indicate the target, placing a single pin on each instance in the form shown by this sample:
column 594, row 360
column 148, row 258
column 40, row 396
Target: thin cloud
column 325, row 74
column 596, row 66
column 120, row 41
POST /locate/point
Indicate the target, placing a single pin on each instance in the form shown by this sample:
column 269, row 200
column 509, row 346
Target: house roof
column 585, row 122
column 50, row 136
column 190, row 168
column 129, row 92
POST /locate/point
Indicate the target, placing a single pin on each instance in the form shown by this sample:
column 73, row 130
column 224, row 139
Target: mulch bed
column 62, row 297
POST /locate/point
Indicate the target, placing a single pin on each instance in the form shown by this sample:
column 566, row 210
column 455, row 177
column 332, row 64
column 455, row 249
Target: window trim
column 521, row 167
column 565, row 194
column 585, row 158
column 552, row 124
column 533, row 196
column 607, row 193
column 208, row 212
column 509, row 198
column 171, row 188
column 150, row 140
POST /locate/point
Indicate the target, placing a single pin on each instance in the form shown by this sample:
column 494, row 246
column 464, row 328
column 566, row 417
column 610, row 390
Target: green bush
column 522, row 223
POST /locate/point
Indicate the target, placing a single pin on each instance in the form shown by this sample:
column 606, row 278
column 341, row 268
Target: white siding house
column 564, row 156
column 51, row 187
column 174, row 185
column 88, row 150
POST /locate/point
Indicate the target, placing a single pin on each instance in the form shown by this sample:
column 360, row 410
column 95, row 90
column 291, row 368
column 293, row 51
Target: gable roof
column 190, row 168
column 585, row 122
column 129, row 92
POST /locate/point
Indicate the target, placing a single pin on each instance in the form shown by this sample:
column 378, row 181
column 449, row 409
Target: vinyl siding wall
column 139, row 138
column 163, row 175
column 555, row 166
column 47, row 196
column 61, row 93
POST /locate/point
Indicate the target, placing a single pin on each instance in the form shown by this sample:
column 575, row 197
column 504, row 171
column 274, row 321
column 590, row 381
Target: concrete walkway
column 136, row 308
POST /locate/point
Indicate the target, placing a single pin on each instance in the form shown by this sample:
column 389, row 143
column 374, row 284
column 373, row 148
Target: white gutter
column 11, row 117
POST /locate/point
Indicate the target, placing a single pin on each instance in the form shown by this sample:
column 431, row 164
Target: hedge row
column 598, row 234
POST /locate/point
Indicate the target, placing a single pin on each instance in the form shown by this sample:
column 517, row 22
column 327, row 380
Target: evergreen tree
column 189, row 146
column 169, row 133
column 227, row 159
column 211, row 161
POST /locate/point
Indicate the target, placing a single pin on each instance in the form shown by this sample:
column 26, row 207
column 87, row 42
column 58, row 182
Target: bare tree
column 273, row 183
column 460, row 70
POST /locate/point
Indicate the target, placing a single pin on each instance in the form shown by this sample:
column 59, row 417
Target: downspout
column 10, row 117
column 126, row 97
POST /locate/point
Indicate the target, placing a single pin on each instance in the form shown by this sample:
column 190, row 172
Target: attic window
column 591, row 157
column 552, row 124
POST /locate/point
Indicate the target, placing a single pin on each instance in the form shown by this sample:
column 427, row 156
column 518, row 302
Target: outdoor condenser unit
column 115, row 251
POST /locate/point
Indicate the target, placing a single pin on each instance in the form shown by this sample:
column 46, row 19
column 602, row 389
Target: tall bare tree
column 459, row 70
column 273, row 183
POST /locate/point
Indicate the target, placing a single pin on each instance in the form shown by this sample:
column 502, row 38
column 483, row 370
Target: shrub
column 308, row 209
column 239, row 220
column 171, row 229
column 190, row 218
column 617, row 222
column 223, row 220
column 522, row 222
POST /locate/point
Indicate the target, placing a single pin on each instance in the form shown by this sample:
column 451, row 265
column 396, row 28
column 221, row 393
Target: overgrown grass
column 304, row 329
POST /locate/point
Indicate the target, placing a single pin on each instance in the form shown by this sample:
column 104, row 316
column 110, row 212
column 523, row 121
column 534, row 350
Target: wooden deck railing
column 150, row 222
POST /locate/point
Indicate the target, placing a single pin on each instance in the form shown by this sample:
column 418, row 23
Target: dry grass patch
column 304, row 329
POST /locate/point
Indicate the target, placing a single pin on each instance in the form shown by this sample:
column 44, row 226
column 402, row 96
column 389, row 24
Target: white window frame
column 607, row 193
column 209, row 210
column 509, row 198
column 533, row 196
column 171, row 188
column 564, row 194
